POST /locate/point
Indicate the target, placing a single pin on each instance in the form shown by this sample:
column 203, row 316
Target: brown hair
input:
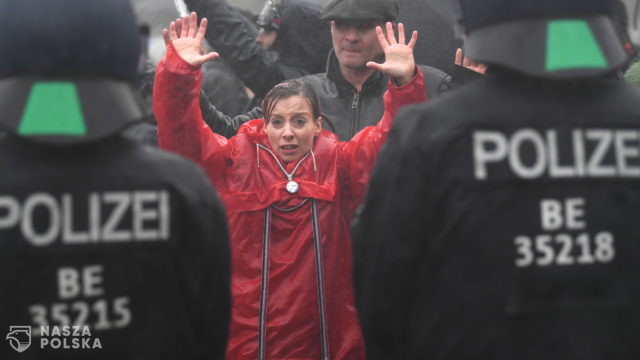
column 286, row 90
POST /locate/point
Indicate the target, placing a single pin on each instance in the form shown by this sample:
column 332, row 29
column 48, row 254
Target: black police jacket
column 348, row 111
column 502, row 223
column 110, row 250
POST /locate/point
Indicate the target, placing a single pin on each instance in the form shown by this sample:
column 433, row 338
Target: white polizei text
column 532, row 154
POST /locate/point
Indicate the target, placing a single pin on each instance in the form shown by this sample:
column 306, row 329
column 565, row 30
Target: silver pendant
column 292, row 187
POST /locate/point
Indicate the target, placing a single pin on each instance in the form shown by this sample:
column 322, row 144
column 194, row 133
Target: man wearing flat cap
column 350, row 92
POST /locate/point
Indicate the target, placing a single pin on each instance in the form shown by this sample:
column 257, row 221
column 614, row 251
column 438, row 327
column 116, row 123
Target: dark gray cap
column 361, row 10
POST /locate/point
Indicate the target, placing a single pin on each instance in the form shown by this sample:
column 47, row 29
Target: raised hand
column 187, row 38
column 462, row 60
column 399, row 62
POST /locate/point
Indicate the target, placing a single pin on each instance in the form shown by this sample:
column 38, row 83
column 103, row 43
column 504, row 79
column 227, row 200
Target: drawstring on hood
column 313, row 158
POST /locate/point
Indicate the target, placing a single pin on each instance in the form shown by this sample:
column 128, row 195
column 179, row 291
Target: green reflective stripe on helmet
column 53, row 108
column 572, row 45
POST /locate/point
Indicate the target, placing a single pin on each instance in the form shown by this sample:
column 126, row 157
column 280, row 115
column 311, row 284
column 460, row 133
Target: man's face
column 266, row 38
column 356, row 43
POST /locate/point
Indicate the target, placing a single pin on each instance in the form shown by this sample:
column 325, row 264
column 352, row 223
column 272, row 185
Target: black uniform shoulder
column 145, row 133
column 114, row 158
column 504, row 101
column 444, row 112
column 171, row 168
column 417, row 125
column 623, row 95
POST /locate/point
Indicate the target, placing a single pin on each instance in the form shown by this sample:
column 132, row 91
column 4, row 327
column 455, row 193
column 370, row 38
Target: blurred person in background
column 291, row 42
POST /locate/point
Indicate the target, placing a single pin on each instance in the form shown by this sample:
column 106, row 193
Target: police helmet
column 67, row 69
column 544, row 38
column 269, row 18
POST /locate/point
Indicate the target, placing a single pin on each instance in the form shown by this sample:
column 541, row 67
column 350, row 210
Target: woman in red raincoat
column 290, row 189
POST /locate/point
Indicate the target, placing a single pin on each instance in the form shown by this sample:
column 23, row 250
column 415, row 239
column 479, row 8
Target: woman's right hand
column 187, row 38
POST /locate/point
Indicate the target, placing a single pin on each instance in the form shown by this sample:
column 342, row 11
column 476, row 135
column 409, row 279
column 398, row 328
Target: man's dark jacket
column 147, row 228
column 350, row 111
column 502, row 223
column 347, row 110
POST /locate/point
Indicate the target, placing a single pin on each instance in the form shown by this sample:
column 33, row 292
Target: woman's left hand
column 399, row 62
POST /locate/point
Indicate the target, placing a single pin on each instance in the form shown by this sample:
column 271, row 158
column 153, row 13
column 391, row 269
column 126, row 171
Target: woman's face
column 292, row 128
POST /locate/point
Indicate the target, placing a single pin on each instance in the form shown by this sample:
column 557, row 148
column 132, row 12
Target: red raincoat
column 291, row 253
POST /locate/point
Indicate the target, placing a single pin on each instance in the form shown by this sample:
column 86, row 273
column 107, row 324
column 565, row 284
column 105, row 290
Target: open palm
column 399, row 62
column 188, row 39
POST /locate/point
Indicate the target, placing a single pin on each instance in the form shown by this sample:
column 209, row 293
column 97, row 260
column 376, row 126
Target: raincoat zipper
column 354, row 106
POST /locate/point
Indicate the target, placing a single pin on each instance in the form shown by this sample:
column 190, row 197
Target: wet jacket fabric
column 128, row 240
column 348, row 111
column 300, row 48
column 221, row 123
column 501, row 223
column 291, row 262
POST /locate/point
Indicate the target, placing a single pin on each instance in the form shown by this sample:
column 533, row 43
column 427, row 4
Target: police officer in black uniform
column 502, row 221
column 108, row 250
